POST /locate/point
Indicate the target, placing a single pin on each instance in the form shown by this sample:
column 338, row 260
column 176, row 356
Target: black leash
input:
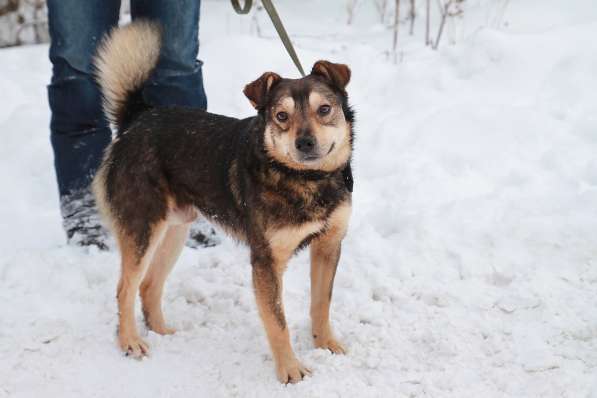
column 273, row 15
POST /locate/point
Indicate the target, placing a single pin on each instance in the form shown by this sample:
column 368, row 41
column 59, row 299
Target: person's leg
column 178, row 80
column 79, row 130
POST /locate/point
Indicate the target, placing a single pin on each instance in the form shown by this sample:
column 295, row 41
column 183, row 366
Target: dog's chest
column 302, row 201
column 285, row 240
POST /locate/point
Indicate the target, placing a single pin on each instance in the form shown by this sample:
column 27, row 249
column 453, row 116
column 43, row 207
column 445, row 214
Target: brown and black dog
column 278, row 181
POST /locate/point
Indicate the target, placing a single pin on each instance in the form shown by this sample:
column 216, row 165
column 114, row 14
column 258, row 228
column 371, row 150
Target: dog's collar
column 306, row 174
column 312, row 175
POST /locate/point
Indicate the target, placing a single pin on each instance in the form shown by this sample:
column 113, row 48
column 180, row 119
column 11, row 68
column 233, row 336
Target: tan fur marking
column 152, row 287
column 316, row 100
column 338, row 74
column 331, row 129
column 338, row 157
column 257, row 90
column 270, row 80
column 133, row 271
column 288, row 368
column 99, row 191
column 124, row 61
column 284, row 241
column 325, row 254
column 182, row 215
column 280, row 144
column 338, row 221
column 285, row 104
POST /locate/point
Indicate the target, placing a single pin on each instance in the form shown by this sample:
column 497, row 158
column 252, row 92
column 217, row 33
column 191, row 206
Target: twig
column 412, row 14
column 11, row 6
column 445, row 12
column 427, row 19
column 396, row 22
column 381, row 6
column 350, row 6
column 255, row 20
column 501, row 10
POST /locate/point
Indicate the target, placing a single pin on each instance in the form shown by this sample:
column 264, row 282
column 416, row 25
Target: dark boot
column 202, row 235
column 81, row 220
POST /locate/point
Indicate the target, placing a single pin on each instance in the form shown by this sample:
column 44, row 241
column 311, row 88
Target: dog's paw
column 163, row 330
column 291, row 372
column 159, row 328
column 331, row 344
column 133, row 346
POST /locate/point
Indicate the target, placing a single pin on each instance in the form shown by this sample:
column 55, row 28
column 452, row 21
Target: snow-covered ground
column 470, row 267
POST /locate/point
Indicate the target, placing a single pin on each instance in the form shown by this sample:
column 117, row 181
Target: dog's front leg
column 325, row 255
column 267, row 281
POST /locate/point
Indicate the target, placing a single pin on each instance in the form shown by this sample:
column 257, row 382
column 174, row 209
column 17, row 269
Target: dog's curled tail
column 125, row 59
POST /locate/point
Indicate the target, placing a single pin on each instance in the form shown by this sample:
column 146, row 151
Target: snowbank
column 470, row 266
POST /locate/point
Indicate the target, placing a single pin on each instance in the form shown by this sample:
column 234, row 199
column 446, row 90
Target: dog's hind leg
column 153, row 284
column 325, row 254
column 135, row 261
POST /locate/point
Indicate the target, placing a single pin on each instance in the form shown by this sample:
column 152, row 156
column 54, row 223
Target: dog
column 278, row 181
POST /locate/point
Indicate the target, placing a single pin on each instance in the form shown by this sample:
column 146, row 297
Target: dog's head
column 308, row 122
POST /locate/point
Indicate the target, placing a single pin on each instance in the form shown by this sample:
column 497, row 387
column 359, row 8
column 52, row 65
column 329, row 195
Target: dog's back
column 164, row 158
column 174, row 158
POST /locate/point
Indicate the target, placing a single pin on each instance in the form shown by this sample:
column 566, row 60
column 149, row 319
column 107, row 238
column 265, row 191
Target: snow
column 470, row 266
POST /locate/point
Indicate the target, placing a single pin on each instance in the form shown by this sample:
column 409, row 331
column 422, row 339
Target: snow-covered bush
column 23, row 22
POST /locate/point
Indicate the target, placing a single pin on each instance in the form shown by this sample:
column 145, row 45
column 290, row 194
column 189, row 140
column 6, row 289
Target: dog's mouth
column 315, row 157
column 331, row 148
column 310, row 158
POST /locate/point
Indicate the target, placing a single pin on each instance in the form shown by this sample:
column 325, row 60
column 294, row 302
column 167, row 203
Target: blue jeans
column 79, row 130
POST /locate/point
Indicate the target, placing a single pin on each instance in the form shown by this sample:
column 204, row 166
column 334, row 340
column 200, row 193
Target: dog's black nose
column 305, row 143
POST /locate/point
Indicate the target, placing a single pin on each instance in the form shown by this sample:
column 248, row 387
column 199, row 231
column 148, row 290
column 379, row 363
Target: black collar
column 311, row 175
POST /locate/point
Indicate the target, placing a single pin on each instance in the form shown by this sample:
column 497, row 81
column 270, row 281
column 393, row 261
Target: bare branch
column 396, row 24
column 381, row 6
column 445, row 13
column 499, row 15
column 350, row 7
column 412, row 15
column 11, row 6
column 427, row 21
column 255, row 20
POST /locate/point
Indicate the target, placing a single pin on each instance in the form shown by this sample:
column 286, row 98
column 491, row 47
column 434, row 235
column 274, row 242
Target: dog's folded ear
column 257, row 91
column 337, row 74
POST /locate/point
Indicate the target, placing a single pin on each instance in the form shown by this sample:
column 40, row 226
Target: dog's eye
column 282, row 116
column 324, row 109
